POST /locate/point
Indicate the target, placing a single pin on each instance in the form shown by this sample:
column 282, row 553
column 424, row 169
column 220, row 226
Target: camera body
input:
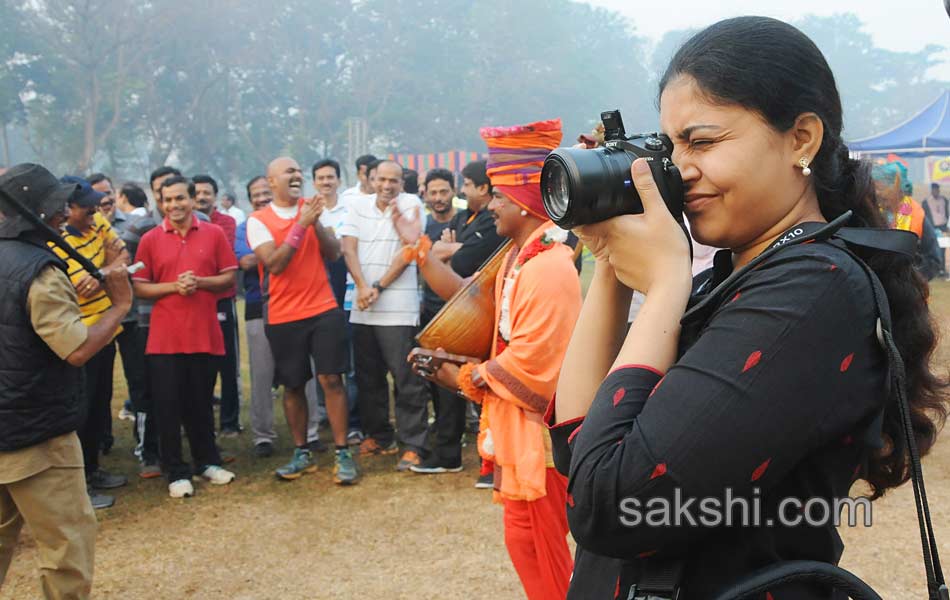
column 580, row 186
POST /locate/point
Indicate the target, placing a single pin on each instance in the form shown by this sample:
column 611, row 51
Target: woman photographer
column 774, row 388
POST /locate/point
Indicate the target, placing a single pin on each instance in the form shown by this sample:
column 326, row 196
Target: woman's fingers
column 646, row 186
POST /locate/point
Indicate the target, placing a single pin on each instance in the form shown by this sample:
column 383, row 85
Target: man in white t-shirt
column 229, row 208
column 326, row 180
column 385, row 317
column 364, row 185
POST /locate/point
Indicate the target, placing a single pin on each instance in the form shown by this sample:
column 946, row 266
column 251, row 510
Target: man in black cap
column 44, row 343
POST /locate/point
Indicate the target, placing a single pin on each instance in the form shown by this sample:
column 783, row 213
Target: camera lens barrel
column 585, row 186
column 580, row 186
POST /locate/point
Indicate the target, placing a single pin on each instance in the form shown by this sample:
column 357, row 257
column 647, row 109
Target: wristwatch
column 378, row 286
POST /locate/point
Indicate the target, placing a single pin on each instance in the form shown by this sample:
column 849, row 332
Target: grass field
column 392, row 536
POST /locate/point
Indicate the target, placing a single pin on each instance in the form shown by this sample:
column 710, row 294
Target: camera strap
column 661, row 579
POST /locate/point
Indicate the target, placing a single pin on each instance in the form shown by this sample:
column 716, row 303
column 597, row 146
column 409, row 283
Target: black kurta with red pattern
column 777, row 394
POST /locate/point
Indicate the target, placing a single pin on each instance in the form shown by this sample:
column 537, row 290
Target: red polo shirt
column 229, row 226
column 184, row 324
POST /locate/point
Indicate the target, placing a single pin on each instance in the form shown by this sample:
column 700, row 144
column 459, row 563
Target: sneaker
column 126, row 415
column 147, row 471
column 301, row 463
column 181, row 488
column 409, row 459
column 229, row 433
column 354, row 437
column 101, row 479
column 344, row 470
column 317, row 446
column 485, row 482
column 433, row 465
column 217, row 476
column 371, row 446
column 263, row 449
column 100, row 501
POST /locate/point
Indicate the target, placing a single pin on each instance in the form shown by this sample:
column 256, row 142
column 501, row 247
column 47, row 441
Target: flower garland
column 551, row 236
column 548, row 239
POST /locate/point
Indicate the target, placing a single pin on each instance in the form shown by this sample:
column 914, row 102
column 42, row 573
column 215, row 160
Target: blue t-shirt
column 253, row 303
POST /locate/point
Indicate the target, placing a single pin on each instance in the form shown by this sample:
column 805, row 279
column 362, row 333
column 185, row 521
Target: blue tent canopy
column 926, row 133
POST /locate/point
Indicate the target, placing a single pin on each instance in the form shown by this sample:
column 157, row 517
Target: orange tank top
column 302, row 290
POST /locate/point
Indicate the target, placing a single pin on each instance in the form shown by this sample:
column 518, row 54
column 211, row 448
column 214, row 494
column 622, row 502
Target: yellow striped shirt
column 90, row 244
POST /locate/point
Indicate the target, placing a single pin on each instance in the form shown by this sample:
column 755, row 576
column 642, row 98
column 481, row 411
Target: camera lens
column 586, row 186
column 556, row 186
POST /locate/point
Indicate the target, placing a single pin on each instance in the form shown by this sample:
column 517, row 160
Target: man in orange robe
column 537, row 301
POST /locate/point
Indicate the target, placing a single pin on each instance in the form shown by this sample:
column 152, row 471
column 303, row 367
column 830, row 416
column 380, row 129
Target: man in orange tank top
column 303, row 322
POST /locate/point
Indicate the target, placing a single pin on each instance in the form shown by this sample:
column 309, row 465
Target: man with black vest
column 44, row 342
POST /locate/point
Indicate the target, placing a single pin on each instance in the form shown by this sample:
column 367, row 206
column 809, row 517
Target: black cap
column 37, row 190
column 85, row 196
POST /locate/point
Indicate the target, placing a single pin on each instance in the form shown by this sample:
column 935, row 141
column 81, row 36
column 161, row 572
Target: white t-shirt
column 235, row 213
column 378, row 244
column 258, row 233
column 350, row 194
column 334, row 218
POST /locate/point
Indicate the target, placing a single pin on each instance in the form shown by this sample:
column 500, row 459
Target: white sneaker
column 217, row 475
column 181, row 488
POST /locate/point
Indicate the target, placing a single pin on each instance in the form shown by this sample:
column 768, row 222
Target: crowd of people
column 335, row 287
column 739, row 376
column 330, row 310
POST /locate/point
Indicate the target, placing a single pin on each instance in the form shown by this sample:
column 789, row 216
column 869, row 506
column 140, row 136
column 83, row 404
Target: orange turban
column 515, row 157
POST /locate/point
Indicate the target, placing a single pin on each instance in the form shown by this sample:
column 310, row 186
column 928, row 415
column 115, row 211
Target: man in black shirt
column 468, row 239
column 471, row 237
column 440, row 189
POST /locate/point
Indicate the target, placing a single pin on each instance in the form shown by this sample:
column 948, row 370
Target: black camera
column 582, row 186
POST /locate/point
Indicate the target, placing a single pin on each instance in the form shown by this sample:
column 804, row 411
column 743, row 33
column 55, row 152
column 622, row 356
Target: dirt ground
column 392, row 536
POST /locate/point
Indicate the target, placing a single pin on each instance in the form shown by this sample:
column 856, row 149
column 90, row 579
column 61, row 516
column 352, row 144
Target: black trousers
column 449, row 425
column 146, row 429
column 97, row 373
column 133, row 366
column 227, row 366
column 380, row 349
column 182, row 387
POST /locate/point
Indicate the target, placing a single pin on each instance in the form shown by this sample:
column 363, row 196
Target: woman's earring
column 524, row 213
column 803, row 162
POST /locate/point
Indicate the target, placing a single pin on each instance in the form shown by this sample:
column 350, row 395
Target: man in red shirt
column 188, row 264
column 303, row 322
column 206, row 198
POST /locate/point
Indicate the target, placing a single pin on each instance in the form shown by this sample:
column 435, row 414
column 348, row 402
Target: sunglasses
column 106, row 204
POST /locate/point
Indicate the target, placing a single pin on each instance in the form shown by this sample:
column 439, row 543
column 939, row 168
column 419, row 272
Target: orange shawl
column 545, row 301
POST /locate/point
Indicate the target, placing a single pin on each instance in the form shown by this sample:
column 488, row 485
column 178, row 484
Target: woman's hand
column 644, row 249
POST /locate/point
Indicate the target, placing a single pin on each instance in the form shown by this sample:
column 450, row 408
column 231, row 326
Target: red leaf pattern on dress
column 658, row 471
column 618, row 396
column 846, row 363
column 760, row 470
column 753, row 360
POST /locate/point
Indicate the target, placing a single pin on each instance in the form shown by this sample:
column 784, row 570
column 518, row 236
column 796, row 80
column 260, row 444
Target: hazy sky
column 907, row 25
